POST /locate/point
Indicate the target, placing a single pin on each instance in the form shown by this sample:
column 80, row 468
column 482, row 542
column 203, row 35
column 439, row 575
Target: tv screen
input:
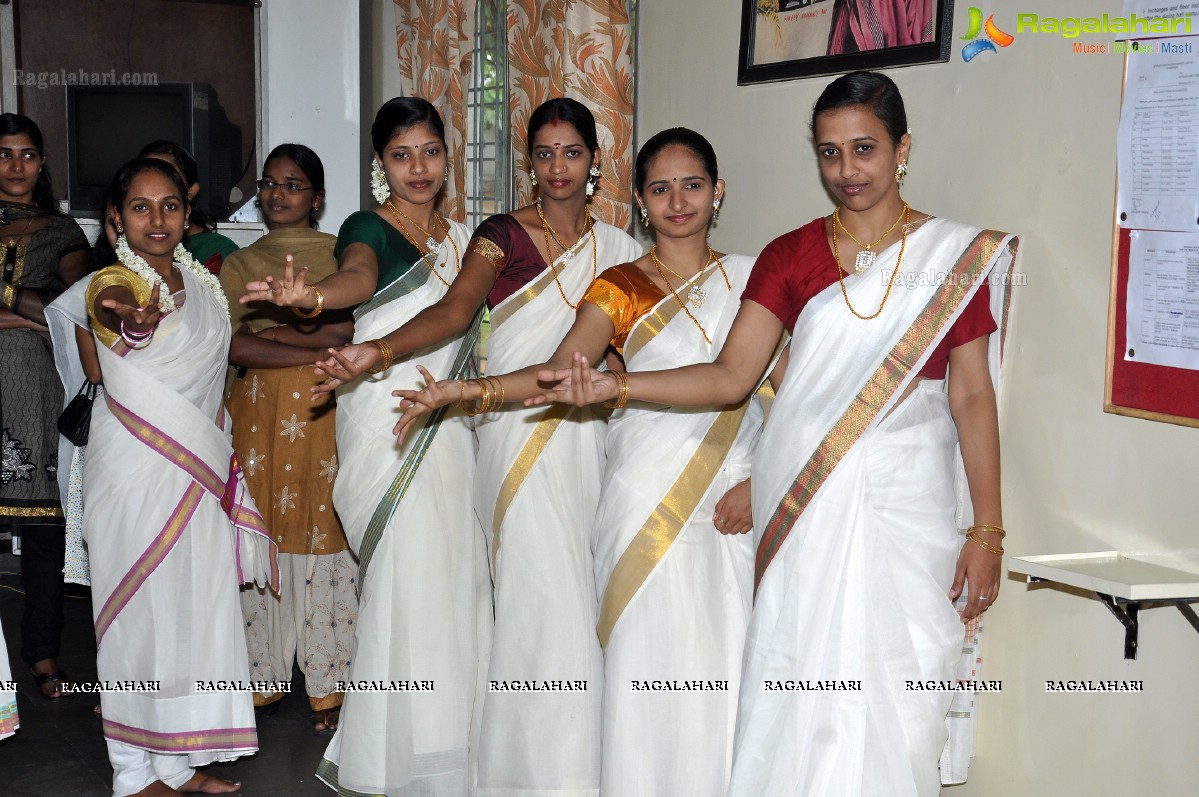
column 111, row 128
column 108, row 125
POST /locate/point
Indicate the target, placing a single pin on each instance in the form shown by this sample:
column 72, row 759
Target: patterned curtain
column 435, row 44
column 581, row 49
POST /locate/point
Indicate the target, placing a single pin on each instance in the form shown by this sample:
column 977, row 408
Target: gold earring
column 901, row 171
column 533, row 177
column 644, row 217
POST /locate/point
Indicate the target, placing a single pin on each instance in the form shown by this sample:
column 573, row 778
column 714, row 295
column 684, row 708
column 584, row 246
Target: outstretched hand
column 344, row 365
column 579, row 385
column 292, row 291
column 417, row 402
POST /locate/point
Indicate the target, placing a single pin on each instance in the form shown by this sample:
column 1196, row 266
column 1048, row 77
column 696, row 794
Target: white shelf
column 1131, row 577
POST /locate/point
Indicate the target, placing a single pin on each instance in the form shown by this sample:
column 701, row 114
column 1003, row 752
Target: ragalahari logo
column 995, row 36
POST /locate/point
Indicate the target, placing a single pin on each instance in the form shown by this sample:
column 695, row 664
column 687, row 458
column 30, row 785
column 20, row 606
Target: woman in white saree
column 410, row 717
column 169, row 524
column 538, row 473
column 673, row 565
column 854, row 484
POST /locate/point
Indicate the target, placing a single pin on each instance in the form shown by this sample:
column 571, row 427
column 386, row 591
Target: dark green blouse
column 394, row 253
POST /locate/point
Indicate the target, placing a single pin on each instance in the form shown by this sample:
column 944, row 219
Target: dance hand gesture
column 980, row 569
column 417, row 402
column 345, row 365
column 135, row 319
column 579, row 385
column 291, row 291
column 733, row 514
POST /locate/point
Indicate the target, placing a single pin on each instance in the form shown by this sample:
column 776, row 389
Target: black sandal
column 58, row 680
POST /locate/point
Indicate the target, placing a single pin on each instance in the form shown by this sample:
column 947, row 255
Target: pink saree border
column 182, row 741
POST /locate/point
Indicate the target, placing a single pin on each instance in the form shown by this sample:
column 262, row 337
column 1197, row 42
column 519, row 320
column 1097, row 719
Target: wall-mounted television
column 108, row 125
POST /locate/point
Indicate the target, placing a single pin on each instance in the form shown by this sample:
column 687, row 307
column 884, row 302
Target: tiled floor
column 59, row 751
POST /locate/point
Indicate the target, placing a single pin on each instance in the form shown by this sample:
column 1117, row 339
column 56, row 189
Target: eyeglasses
column 289, row 188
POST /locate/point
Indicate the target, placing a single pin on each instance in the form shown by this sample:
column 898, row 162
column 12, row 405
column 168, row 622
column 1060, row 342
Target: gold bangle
column 315, row 311
column 385, row 356
column 482, row 406
column 973, row 537
column 485, row 402
column 622, row 396
column 462, row 401
column 499, row 389
column 997, row 529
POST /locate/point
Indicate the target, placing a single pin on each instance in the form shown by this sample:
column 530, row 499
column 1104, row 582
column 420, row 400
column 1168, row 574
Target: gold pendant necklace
column 696, row 295
column 547, row 230
column 431, row 241
column 567, row 251
column 903, row 242
column 434, row 247
column 659, row 265
column 867, row 255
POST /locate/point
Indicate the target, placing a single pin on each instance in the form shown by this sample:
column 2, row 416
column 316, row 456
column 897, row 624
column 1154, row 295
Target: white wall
column 311, row 78
column 1022, row 140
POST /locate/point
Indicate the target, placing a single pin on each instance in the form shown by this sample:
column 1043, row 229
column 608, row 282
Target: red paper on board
column 1143, row 386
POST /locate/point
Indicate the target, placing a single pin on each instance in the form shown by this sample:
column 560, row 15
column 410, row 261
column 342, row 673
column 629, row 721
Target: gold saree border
column 650, row 544
column 874, row 395
column 514, row 303
column 653, row 322
column 530, row 452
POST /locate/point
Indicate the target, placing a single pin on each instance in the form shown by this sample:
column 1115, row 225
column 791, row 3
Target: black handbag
column 76, row 420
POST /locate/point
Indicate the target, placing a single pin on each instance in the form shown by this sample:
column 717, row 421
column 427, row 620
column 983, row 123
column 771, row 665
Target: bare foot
column 201, row 783
column 156, row 789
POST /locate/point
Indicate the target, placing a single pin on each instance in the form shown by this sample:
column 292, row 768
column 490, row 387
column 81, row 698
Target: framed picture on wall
column 785, row 39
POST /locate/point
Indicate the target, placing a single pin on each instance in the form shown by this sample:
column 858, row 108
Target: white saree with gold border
column 855, row 500
column 675, row 592
column 424, row 617
column 536, row 492
column 171, row 531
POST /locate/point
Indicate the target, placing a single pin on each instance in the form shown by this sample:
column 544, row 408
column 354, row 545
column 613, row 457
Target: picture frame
column 788, row 39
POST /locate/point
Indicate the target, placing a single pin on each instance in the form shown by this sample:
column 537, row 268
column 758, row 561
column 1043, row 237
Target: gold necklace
column 903, row 242
column 659, row 265
column 867, row 255
column 697, row 294
column 568, row 251
column 546, row 229
column 436, row 248
column 430, row 241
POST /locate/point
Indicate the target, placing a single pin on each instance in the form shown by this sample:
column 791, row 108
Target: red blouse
column 521, row 262
column 793, row 268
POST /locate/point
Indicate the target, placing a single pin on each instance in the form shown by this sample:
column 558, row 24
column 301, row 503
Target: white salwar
column 536, row 493
column 853, row 603
column 676, row 593
column 424, row 616
column 166, row 559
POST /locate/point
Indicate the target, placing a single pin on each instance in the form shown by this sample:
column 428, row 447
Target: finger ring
column 983, row 598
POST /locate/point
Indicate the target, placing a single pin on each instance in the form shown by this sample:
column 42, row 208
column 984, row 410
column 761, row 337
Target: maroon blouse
column 793, row 268
column 522, row 262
